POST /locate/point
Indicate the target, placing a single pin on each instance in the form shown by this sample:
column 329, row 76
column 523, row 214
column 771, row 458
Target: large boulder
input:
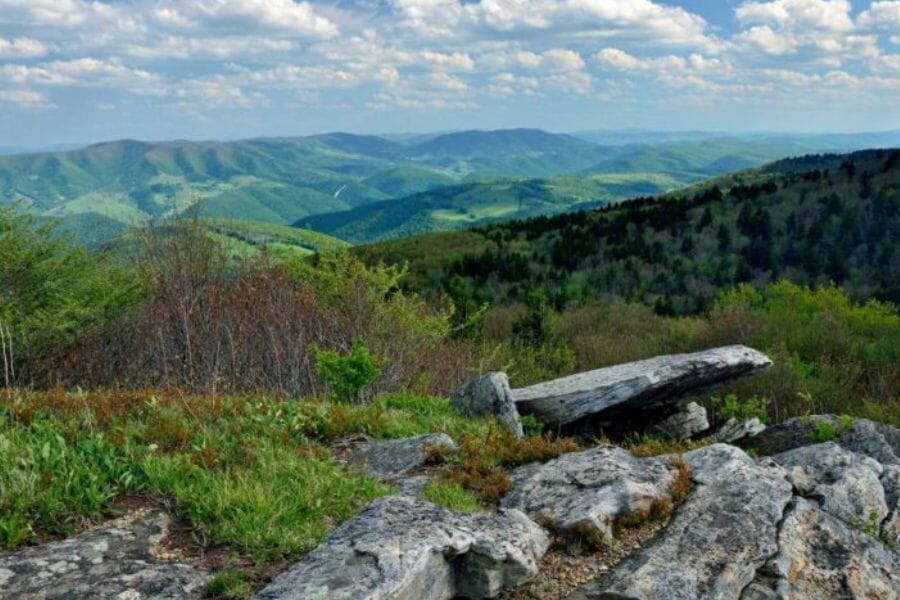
column 123, row 559
column 721, row 535
column 844, row 484
column 587, row 492
column 821, row 556
column 389, row 459
column 633, row 396
column 489, row 394
column 406, row 549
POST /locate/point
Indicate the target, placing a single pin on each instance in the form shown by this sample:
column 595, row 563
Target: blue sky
column 87, row 70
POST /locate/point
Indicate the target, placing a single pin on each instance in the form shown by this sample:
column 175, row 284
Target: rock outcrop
column 633, row 396
column 123, row 560
column 489, row 394
column 389, row 459
column 405, row 549
column 721, row 535
column 733, row 430
column 821, row 556
column 587, row 492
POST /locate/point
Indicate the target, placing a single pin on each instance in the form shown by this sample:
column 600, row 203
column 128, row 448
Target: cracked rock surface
column 407, row 549
column 389, row 459
column 589, row 490
column 122, row 560
column 721, row 535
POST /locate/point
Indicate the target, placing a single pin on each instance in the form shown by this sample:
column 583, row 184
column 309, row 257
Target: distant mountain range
column 372, row 187
column 816, row 220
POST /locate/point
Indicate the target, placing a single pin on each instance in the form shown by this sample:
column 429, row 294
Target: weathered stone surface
column 718, row 539
column 877, row 440
column 122, row 560
column 589, row 490
column 636, row 395
column 821, row 556
column 890, row 481
column 685, row 423
column 844, row 484
column 406, row 549
column 734, row 430
column 489, row 394
column 387, row 459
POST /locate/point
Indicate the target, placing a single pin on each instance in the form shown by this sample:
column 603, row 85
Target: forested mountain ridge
column 814, row 220
column 101, row 191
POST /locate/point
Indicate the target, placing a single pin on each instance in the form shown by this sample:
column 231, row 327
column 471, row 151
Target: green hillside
column 467, row 205
column 104, row 189
column 813, row 220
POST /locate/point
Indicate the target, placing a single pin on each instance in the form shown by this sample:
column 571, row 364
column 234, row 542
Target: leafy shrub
column 732, row 407
column 347, row 375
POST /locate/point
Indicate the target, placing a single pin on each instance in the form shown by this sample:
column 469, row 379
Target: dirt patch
column 569, row 565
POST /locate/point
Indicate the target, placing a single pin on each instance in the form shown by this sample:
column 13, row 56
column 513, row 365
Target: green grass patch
column 451, row 496
column 255, row 474
column 229, row 585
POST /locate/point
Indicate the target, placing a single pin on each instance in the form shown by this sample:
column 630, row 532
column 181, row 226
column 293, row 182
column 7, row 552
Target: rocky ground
column 809, row 508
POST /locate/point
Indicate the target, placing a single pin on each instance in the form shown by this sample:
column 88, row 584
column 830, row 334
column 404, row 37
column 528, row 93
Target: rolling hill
column 468, row 205
column 102, row 190
column 814, row 220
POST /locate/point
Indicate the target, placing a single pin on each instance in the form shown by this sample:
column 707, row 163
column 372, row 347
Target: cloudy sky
column 87, row 70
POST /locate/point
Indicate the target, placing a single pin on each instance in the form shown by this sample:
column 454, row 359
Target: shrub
column 347, row 375
column 732, row 407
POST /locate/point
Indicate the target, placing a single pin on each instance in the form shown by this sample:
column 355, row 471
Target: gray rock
column 844, row 484
column 890, row 481
column 387, row 459
column 877, row 440
column 590, row 490
column 821, row 556
column 635, row 395
column 489, row 394
column 122, row 559
column 406, row 549
column 685, row 423
column 718, row 539
column 734, row 430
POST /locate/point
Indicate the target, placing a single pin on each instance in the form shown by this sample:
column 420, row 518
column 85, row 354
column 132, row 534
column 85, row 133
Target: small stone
column 685, row 423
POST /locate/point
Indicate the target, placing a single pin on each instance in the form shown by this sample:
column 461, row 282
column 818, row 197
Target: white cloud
column 25, row 98
column 764, row 39
column 882, row 15
column 82, row 72
column 623, row 61
column 239, row 16
column 829, row 15
column 22, row 48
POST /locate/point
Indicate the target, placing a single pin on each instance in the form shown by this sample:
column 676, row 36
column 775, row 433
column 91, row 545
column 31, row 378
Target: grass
column 451, row 496
column 254, row 474
column 229, row 585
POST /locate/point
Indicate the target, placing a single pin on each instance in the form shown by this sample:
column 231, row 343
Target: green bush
column 732, row 407
column 347, row 375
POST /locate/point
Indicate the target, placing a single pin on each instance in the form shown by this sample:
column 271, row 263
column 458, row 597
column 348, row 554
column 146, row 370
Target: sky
column 76, row 71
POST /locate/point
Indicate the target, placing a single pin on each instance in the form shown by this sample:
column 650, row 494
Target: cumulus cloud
column 24, row 98
column 22, row 48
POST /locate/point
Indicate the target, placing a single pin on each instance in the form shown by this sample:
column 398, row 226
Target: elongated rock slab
column 633, row 395
column 401, row 548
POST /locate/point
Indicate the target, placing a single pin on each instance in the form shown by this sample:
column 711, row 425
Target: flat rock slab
column 635, row 395
column 389, row 459
column 821, row 556
column 590, row 490
column 721, row 535
column 402, row 548
column 121, row 560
